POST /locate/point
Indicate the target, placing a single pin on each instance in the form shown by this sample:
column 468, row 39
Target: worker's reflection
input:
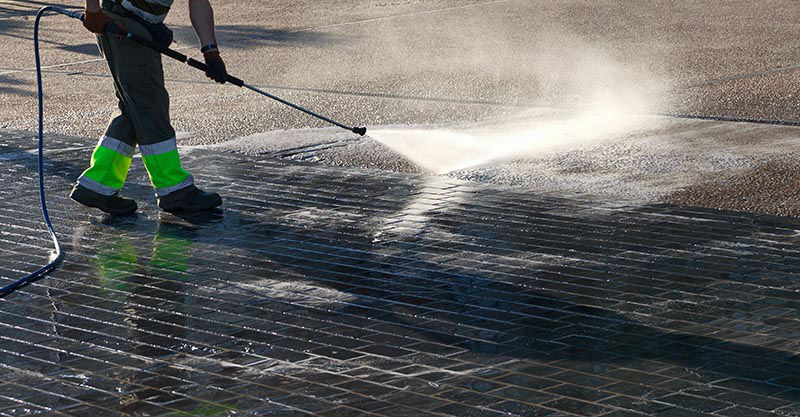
column 151, row 288
column 155, row 311
column 117, row 264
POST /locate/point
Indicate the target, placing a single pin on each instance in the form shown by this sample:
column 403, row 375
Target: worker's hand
column 216, row 65
column 95, row 21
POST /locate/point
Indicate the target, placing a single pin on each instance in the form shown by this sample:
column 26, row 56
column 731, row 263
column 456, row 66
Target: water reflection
column 459, row 274
column 148, row 278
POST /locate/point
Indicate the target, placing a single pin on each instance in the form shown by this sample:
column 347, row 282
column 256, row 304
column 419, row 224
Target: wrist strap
column 209, row 48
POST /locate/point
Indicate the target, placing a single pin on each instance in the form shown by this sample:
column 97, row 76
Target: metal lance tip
column 360, row 130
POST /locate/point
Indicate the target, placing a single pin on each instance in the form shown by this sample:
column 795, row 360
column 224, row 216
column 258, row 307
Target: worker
column 143, row 115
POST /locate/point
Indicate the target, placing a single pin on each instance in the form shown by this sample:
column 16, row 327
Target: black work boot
column 111, row 204
column 189, row 198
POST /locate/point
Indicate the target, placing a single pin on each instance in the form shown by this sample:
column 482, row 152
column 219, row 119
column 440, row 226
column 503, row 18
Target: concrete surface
column 458, row 50
column 444, row 62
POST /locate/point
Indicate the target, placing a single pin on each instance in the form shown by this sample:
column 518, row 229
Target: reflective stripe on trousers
column 164, row 167
column 111, row 160
column 142, row 118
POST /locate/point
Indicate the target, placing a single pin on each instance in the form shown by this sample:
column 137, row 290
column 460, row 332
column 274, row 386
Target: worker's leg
column 112, row 157
column 99, row 185
column 148, row 101
column 141, row 81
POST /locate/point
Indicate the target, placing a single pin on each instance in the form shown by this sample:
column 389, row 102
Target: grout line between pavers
column 558, row 381
column 140, row 370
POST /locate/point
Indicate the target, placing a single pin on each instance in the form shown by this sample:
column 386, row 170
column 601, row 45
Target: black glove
column 216, row 66
column 95, row 22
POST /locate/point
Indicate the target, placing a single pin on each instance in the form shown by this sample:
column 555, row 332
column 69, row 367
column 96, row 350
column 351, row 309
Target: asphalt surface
column 444, row 62
column 458, row 50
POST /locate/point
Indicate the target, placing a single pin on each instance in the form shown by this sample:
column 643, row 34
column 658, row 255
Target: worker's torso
column 152, row 11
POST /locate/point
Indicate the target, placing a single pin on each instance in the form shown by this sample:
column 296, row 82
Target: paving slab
column 334, row 291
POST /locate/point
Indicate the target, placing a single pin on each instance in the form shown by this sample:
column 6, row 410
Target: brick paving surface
column 341, row 292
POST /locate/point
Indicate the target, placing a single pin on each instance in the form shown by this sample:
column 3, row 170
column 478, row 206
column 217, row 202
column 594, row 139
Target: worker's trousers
column 142, row 119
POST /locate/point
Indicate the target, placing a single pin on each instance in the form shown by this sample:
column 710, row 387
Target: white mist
column 529, row 134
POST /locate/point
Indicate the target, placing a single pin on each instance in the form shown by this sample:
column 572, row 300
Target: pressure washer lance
column 115, row 29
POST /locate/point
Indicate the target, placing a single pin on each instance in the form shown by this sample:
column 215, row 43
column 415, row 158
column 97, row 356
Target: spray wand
column 115, row 29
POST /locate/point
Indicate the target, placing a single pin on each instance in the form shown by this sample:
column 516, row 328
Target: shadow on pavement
column 315, row 272
column 28, row 8
column 247, row 36
column 11, row 86
column 473, row 285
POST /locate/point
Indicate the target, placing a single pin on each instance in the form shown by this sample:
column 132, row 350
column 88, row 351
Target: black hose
column 58, row 256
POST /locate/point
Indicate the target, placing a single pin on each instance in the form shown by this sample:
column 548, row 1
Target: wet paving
column 337, row 291
column 735, row 166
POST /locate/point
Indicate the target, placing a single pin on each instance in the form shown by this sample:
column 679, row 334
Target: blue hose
column 59, row 255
